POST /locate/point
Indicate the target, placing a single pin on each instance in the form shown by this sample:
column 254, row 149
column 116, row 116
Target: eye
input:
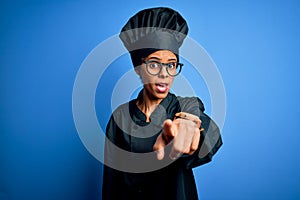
column 153, row 65
column 172, row 65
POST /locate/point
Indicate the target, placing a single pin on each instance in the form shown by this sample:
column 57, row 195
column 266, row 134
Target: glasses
column 154, row 67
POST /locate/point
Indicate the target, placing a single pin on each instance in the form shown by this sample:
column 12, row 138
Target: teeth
column 162, row 84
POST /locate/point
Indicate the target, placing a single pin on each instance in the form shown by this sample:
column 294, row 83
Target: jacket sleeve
column 210, row 139
column 111, row 176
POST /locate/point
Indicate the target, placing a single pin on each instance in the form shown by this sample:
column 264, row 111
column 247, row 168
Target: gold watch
column 188, row 116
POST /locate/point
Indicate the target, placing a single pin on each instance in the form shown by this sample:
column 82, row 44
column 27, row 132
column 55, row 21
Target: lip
column 162, row 84
column 162, row 87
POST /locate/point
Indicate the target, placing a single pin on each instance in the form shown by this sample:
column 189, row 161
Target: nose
column 163, row 72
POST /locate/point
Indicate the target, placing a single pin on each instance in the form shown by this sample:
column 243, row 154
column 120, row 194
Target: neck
column 147, row 104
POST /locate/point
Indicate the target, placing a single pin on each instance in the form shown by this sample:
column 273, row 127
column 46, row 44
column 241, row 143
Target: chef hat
column 153, row 29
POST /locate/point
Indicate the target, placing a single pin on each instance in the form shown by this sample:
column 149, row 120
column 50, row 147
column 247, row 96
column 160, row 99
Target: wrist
column 191, row 117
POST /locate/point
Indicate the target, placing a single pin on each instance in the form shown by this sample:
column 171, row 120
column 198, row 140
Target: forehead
column 162, row 55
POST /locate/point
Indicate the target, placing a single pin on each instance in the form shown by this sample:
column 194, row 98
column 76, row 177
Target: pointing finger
column 159, row 147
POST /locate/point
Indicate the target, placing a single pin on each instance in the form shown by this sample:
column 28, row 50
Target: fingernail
column 172, row 157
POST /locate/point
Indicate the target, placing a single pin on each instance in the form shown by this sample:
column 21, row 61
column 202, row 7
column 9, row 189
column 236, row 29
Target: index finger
column 168, row 132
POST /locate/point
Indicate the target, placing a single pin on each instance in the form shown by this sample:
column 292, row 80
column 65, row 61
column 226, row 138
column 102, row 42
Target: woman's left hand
column 183, row 133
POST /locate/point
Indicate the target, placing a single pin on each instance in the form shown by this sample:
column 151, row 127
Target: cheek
column 171, row 80
column 146, row 78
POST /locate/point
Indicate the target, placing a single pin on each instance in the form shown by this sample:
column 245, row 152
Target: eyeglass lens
column 155, row 67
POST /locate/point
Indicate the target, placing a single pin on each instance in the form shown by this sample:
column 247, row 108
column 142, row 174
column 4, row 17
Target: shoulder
column 124, row 112
column 125, row 107
column 118, row 116
column 190, row 103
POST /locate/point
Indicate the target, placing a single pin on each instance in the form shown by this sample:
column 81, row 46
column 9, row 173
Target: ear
column 137, row 70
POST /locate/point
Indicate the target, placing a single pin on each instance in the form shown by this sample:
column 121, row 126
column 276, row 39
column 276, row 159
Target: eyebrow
column 156, row 58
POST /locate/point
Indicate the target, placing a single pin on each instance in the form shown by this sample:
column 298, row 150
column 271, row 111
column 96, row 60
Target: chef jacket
column 131, row 169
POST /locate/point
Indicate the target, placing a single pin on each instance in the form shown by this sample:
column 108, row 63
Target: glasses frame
column 161, row 66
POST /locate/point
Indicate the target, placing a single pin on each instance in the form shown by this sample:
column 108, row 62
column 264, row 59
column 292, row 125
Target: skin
column 183, row 135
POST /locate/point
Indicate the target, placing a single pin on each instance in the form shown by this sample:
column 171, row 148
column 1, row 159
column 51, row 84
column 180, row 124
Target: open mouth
column 162, row 87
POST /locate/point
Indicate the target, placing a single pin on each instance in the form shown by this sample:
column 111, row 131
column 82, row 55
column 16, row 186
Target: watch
column 191, row 117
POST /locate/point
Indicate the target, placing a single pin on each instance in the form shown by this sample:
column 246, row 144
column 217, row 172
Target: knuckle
column 187, row 151
column 178, row 149
column 193, row 148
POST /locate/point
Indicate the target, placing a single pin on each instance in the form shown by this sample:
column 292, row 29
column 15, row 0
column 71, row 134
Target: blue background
column 255, row 45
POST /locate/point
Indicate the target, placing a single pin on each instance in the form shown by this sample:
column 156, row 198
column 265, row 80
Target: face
column 157, row 86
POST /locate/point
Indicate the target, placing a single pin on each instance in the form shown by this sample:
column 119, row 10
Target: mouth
column 162, row 87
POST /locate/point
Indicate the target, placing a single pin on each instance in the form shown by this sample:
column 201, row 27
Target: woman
column 155, row 140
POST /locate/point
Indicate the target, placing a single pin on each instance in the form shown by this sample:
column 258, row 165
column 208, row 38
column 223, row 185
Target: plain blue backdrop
column 255, row 45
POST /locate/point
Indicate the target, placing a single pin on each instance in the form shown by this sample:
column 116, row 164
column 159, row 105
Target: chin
column 161, row 95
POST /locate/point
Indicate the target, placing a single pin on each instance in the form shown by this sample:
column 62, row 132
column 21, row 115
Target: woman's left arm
column 194, row 145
